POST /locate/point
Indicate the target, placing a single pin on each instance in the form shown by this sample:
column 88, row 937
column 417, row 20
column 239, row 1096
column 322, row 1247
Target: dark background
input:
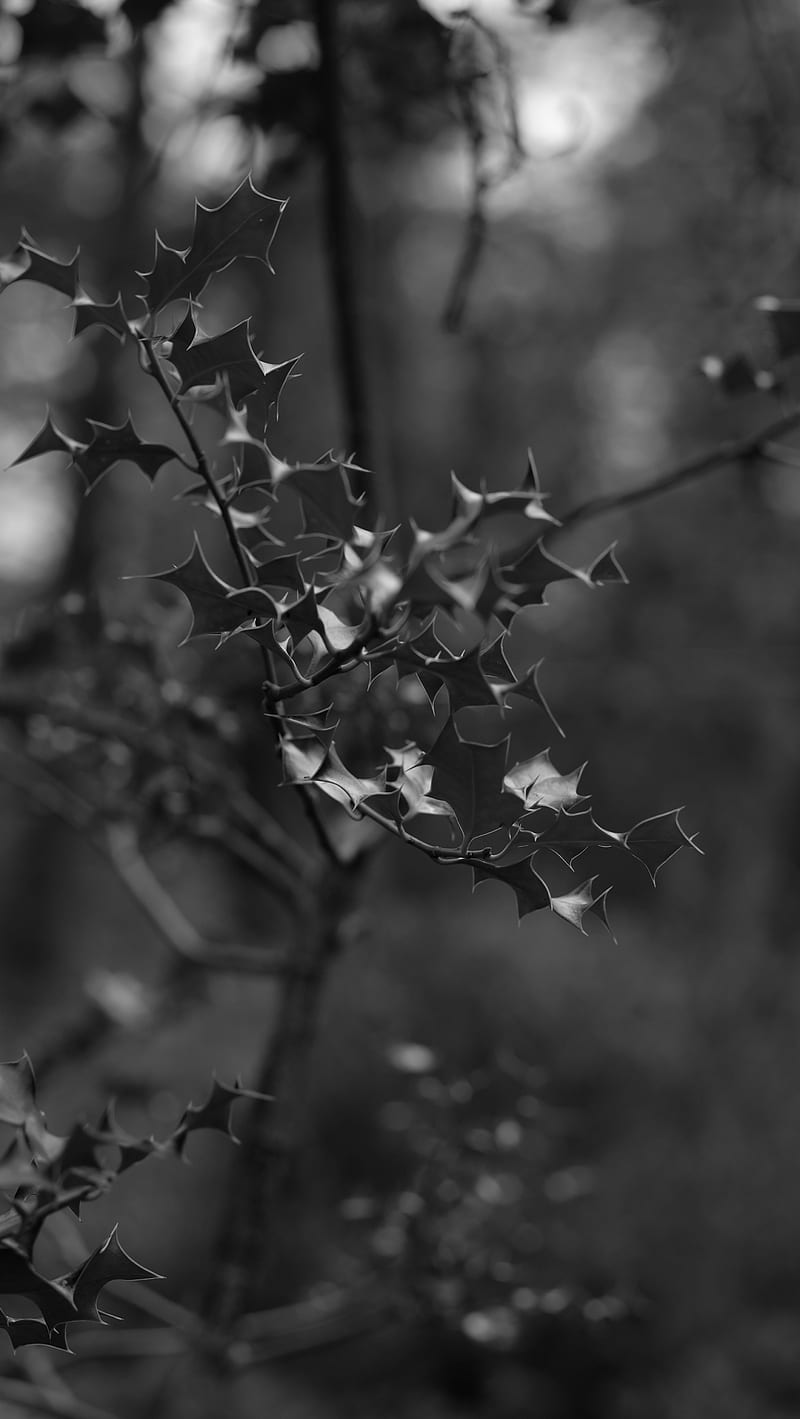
column 659, row 198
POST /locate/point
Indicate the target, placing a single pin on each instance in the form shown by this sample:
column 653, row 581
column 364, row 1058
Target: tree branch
column 24, row 701
column 19, row 1395
column 153, row 368
column 741, row 450
column 118, row 847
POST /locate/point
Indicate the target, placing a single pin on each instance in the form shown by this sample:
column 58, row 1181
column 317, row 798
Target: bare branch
column 17, row 1394
column 742, row 450
column 23, row 701
column 473, row 39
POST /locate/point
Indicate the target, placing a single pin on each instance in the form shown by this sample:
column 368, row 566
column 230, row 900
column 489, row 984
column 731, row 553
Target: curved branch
column 741, row 450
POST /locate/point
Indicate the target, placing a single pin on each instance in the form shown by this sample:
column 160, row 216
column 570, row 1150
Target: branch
column 175, row 928
column 25, row 701
column 340, row 662
column 741, row 450
column 271, row 1136
column 118, row 847
column 153, row 368
column 483, row 181
column 452, row 855
column 16, row 1394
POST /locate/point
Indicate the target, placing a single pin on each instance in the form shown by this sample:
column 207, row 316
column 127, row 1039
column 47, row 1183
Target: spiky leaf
column 215, row 1113
column 244, row 225
column 107, row 1263
column 470, row 778
column 27, row 262
column 110, row 444
column 531, row 892
column 655, row 840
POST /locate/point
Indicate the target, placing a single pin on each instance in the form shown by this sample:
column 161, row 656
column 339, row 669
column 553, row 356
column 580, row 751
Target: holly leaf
column 110, row 444
column 17, row 1168
column 326, row 498
column 470, row 778
column 605, row 570
column 496, row 667
column 527, row 578
column 27, row 1331
column 78, row 1159
column 19, row 1277
column 573, row 906
column 539, row 784
column 202, row 363
column 108, row 1263
column 531, row 892
column 425, row 656
column 283, row 572
column 264, row 634
column 470, row 509
column 569, row 835
column 213, row 602
column 308, row 761
column 655, row 840
column 90, row 314
column 27, row 262
column 412, row 780
column 18, row 1107
column 242, row 226
column 131, row 1147
column 214, row 1114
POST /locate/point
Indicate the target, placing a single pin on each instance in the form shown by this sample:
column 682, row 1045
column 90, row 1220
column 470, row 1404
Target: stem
column 154, row 369
column 439, row 854
column 16, row 1394
column 341, row 662
column 24, row 701
column 118, row 848
column 272, row 1136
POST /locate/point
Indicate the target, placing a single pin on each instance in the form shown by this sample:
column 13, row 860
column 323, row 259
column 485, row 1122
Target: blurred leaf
column 784, row 321
column 27, row 262
column 215, row 1113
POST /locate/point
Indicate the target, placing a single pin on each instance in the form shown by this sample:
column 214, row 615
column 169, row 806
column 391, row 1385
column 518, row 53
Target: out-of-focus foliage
column 656, row 202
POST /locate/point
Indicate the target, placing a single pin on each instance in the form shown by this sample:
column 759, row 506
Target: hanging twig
column 474, row 76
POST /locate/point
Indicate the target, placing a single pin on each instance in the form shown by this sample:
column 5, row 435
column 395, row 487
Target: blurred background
column 618, row 1121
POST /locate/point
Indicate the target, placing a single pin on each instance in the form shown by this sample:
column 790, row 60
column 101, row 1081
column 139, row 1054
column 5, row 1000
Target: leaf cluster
column 42, row 1173
column 342, row 598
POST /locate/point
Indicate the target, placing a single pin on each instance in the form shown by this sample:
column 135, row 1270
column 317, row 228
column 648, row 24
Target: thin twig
column 24, row 701
column 175, row 928
column 118, row 847
column 19, row 1395
column 153, row 368
column 483, row 180
column 339, row 663
column 741, row 450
